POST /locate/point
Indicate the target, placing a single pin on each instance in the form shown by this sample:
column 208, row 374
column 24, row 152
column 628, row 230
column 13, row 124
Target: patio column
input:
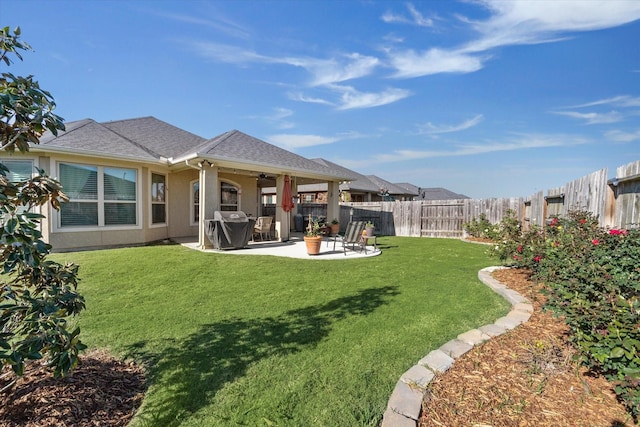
column 209, row 201
column 333, row 200
column 283, row 224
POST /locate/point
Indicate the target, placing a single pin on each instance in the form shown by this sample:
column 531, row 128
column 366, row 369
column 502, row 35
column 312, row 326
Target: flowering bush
column 515, row 247
column 592, row 276
column 481, row 227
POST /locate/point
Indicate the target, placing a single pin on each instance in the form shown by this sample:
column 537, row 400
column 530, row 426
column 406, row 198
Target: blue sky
column 486, row 98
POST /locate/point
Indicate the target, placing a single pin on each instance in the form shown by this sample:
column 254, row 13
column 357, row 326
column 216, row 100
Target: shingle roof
column 408, row 188
column 144, row 138
column 160, row 138
column 238, row 146
column 357, row 181
column 439, row 193
column 92, row 137
column 147, row 138
column 381, row 183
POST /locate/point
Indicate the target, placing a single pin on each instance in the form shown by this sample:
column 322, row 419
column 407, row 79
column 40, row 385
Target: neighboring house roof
column 381, row 183
column 355, row 182
column 409, row 188
column 439, row 193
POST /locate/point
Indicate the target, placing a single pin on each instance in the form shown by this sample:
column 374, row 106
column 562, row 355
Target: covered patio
column 293, row 248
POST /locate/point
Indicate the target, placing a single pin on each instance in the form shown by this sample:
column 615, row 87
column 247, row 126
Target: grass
column 268, row 341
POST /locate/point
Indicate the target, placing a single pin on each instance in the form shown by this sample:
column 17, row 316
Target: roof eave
column 100, row 155
column 243, row 164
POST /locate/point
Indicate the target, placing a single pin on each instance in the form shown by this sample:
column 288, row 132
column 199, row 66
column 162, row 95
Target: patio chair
column 352, row 236
column 263, row 227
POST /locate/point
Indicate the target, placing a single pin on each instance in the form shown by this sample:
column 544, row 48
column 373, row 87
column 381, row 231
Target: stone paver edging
column 405, row 403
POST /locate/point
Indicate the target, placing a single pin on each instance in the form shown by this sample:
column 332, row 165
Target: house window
column 195, row 202
column 228, row 197
column 98, row 196
column 158, row 199
column 19, row 170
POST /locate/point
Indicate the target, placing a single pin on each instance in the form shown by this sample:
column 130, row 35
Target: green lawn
column 268, row 341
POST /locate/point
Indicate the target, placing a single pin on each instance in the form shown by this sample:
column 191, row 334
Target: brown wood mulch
column 525, row 377
column 101, row 391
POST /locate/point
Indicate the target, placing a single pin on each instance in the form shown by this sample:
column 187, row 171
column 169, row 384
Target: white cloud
column 513, row 22
column 416, row 18
column 323, row 71
column 621, row 101
column 621, row 136
column 220, row 24
column 518, row 142
column 528, row 22
column 430, row 128
column 594, row 118
column 351, row 98
column 331, row 71
column 297, row 96
column 409, row 63
column 292, row 141
column 226, row 53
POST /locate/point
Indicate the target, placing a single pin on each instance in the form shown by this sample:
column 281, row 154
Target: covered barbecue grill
column 229, row 229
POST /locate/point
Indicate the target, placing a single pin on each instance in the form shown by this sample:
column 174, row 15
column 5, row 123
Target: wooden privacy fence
column 616, row 203
column 428, row 218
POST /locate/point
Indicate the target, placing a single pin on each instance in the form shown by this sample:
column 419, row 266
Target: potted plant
column 335, row 226
column 368, row 228
column 313, row 236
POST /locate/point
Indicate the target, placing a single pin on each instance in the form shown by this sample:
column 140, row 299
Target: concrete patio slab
column 293, row 248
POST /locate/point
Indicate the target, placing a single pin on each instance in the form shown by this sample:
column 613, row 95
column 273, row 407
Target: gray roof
column 91, row 137
column 150, row 139
column 409, row 188
column 146, row 138
column 357, row 181
column 381, row 183
column 161, row 138
column 238, row 146
column 439, row 193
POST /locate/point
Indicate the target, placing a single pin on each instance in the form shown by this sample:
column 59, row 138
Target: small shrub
column 481, row 228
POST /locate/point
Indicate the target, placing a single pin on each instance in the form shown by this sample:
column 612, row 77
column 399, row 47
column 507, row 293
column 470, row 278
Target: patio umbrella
column 287, row 197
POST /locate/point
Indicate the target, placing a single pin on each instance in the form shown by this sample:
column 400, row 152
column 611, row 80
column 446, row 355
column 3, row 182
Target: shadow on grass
column 193, row 370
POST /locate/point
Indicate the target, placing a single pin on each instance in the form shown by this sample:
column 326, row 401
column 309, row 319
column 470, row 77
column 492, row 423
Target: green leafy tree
column 38, row 297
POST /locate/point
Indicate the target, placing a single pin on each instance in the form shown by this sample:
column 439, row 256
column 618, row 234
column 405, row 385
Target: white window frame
column 57, row 216
column 152, row 202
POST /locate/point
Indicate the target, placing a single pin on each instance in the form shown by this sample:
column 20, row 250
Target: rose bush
column 592, row 276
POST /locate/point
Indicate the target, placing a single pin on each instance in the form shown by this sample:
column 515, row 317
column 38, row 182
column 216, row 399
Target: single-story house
column 142, row 180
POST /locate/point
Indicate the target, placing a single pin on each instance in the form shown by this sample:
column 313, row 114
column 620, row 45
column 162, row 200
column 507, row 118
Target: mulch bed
column 101, row 391
column 525, row 377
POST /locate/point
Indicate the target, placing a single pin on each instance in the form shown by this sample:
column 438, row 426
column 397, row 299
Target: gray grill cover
column 229, row 229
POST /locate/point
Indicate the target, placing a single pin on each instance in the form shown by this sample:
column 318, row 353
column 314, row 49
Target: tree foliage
column 38, row 297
